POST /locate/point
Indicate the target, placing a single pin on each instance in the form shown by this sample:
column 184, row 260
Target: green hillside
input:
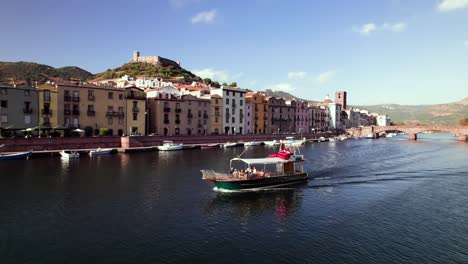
column 30, row 72
column 149, row 70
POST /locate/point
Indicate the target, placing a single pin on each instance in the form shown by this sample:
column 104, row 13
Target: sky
column 386, row 51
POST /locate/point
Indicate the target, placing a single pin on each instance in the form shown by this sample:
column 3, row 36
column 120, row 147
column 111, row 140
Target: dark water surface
column 372, row 201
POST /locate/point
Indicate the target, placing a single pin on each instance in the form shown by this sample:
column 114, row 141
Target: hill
column 286, row 95
column 438, row 114
column 30, row 71
column 149, row 70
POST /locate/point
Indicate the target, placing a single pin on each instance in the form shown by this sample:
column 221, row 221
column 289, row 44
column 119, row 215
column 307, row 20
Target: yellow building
column 216, row 114
column 260, row 111
column 48, row 103
column 136, row 108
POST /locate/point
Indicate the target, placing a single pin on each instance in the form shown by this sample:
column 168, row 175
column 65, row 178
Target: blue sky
column 387, row 51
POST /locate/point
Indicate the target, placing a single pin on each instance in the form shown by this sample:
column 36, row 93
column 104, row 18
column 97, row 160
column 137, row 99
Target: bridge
column 458, row 131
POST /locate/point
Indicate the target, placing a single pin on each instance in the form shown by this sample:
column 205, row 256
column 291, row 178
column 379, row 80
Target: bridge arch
column 458, row 131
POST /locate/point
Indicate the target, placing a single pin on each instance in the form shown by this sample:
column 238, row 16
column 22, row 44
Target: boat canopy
column 273, row 160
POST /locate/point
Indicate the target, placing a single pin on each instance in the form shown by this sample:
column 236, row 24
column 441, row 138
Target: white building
column 248, row 118
column 233, row 109
column 335, row 115
column 383, row 120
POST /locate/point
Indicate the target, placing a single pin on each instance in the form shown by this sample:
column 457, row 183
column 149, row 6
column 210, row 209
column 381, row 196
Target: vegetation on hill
column 30, row 72
column 133, row 69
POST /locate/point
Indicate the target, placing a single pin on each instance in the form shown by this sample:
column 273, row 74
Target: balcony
column 76, row 99
column 46, row 111
column 67, row 98
column 121, row 114
column 177, row 121
column 167, row 109
column 91, row 113
column 178, row 110
column 27, row 110
column 76, row 112
column 111, row 113
column 90, row 97
column 166, row 121
column 67, row 112
column 189, row 115
column 135, row 109
column 205, row 115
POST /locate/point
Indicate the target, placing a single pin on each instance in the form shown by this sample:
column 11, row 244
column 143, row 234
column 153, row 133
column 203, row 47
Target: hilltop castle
column 156, row 60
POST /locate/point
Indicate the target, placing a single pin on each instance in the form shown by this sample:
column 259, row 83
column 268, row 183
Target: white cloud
column 218, row 75
column 326, row 77
column 285, row 87
column 397, row 27
column 296, row 75
column 365, row 29
column 449, row 5
column 207, row 17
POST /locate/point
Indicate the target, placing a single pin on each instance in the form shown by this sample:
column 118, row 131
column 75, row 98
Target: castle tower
column 340, row 98
column 136, row 54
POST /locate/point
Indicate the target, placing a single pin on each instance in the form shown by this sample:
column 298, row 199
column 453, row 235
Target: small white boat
column 321, row 139
column 229, row 145
column 100, row 151
column 69, row 154
column 170, row 146
column 293, row 141
column 272, row 143
column 369, row 136
column 332, row 139
column 252, row 143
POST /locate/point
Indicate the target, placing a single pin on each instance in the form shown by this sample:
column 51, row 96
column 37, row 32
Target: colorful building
column 18, row 108
column 260, row 111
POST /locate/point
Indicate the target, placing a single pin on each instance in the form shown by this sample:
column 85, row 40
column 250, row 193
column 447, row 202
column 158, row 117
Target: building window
column 233, row 120
column 216, row 119
column 135, row 116
column 199, row 113
column 216, row 101
column 227, row 93
column 90, row 107
column 4, row 118
column 241, row 102
column 199, row 103
column 120, row 121
column 4, row 91
column 46, row 96
column 109, row 121
column 4, row 104
column 120, row 96
column 27, row 119
column 27, row 92
column 120, row 109
column 227, row 101
column 66, row 121
column 110, row 96
column 204, row 122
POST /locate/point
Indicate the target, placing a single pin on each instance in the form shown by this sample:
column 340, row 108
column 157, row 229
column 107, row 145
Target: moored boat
column 100, row 151
column 69, row 154
column 279, row 169
column 293, row 141
column 170, row 146
column 229, row 144
column 252, row 143
column 13, row 156
column 210, row 146
column 271, row 143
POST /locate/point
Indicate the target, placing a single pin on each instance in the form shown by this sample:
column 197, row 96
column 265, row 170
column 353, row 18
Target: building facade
column 260, row 112
column 233, row 109
column 135, row 111
column 249, row 118
column 216, row 115
column 19, row 108
column 302, row 117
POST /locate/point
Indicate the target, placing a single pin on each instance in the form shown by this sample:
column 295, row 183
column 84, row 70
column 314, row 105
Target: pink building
column 302, row 117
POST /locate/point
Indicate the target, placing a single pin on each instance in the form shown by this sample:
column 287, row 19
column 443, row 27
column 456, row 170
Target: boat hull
column 260, row 183
column 22, row 155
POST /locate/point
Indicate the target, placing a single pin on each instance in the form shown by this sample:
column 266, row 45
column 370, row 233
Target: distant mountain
column 286, row 95
column 134, row 69
column 30, row 72
column 438, row 114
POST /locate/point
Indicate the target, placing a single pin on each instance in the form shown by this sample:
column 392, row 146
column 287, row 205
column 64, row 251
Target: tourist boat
column 279, row 169
column 170, row 146
column 13, row 156
column 252, row 143
column 229, row 144
column 272, row 143
column 100, row 151
column 69, row 154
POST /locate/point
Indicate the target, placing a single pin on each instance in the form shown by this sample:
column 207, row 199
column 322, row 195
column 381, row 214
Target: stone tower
column 340, row 98
column 136, row 55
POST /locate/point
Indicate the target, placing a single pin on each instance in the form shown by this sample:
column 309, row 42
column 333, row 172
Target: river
column 369, row 201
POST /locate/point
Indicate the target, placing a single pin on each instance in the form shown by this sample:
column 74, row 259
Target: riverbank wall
column 75, row 143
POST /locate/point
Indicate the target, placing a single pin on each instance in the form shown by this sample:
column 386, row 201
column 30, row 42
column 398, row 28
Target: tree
column 215, row 84
column 463, row 122
column 233, row 84
column 207, row 80
column 224, row 84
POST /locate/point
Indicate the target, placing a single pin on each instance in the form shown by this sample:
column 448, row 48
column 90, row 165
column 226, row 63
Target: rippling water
column 370, row 201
